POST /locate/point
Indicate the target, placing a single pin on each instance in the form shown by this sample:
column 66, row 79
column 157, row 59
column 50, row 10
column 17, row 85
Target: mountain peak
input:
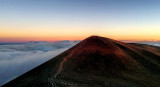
column 96, row 61
column 97, row 53
column 97, row 43
column 94, row 37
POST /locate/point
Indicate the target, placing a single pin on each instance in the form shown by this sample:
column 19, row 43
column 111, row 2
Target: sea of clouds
column 18, row 58
column 151, row 43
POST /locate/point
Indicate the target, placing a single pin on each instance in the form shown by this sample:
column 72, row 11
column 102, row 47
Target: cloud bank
column 16, row 59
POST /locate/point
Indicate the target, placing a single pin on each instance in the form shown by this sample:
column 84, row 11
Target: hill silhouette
column 97, row 62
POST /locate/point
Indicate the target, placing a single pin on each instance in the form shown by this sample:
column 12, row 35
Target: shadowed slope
column 153, row 49
column 96, row 62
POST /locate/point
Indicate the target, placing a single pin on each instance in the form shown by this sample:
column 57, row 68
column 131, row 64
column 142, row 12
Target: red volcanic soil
column 98, row 53
column 97, row 62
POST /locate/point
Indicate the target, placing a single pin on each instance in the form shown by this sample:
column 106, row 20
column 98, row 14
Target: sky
column 52, row 20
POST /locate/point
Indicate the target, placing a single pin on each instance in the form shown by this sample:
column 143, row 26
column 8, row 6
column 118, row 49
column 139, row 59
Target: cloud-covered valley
column 18, row 58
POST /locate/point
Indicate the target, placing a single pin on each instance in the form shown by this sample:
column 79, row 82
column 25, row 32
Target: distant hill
column 97, row 62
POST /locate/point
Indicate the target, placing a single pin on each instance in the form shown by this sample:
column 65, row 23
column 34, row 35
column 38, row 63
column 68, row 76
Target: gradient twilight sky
column 50, row 20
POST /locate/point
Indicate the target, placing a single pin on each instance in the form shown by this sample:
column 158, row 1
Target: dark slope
column 96, row 62
column 151, row 48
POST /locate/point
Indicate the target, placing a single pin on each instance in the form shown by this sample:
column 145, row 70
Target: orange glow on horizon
column 49, row 39
column 20, row 34
column 72, row 38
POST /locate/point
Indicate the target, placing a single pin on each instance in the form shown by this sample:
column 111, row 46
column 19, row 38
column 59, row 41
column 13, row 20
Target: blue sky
column 114, row 17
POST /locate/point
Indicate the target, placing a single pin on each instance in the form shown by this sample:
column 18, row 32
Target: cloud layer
column 16, row 59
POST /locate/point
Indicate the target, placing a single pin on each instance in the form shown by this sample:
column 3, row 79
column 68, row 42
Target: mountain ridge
column 96, row 62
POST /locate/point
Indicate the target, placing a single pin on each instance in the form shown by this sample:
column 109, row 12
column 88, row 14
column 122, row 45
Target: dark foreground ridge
column 97, row 62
